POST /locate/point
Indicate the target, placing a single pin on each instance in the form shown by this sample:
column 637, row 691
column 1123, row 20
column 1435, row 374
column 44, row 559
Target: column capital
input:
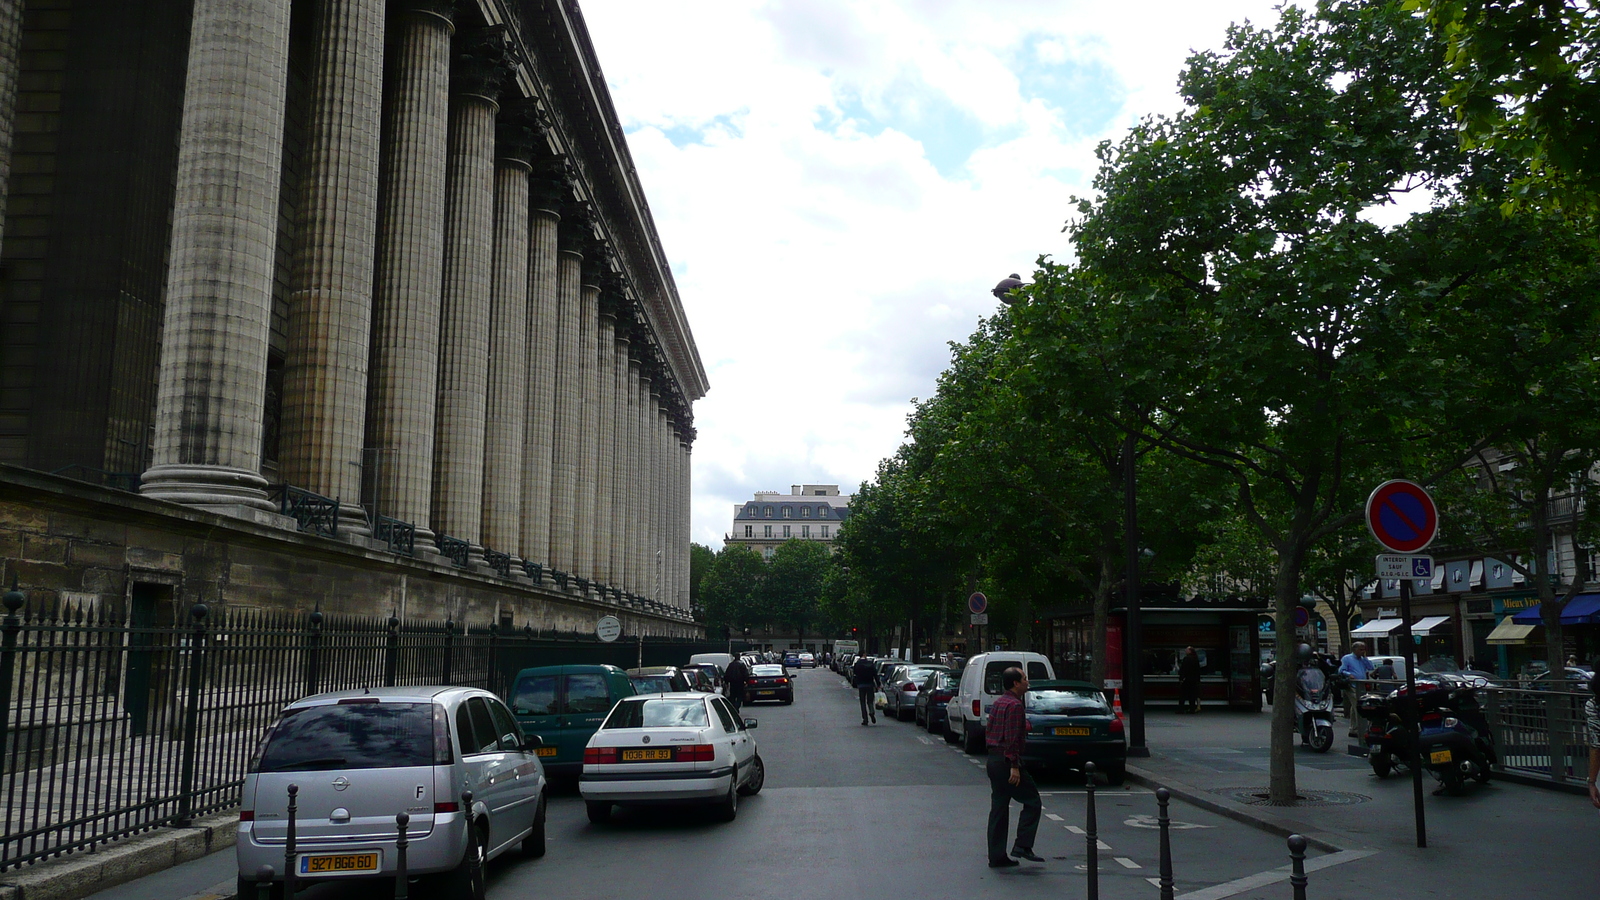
column 551, row 183
column 577, row 228
column 482, row 60
column 520, row 131
column 444, row 10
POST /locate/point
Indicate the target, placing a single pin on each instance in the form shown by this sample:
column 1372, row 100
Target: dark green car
column 564, row 706
column 1069, row 724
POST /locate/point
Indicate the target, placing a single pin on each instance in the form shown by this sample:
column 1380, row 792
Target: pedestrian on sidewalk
column 1008, row 779
column 865, row 676
column 1356, row 667
column 1591, row 729
column 1189, row 681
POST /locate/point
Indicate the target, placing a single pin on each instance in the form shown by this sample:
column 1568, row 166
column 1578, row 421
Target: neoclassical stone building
column 374, row 279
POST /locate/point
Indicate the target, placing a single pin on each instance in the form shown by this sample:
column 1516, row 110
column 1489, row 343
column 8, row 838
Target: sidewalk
column 1502, row 839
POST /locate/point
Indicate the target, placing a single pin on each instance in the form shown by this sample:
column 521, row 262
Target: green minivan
column 564, row 706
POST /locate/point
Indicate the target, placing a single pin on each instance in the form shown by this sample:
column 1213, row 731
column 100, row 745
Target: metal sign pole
column 1414, row 719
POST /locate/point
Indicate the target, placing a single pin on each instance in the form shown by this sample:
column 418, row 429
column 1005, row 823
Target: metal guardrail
column 500, row 562
column 456, row 549
column 401, row 537
column 312, row 512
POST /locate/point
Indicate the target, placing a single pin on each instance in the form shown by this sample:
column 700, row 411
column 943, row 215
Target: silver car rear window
column 350, row 736
column 661, row 712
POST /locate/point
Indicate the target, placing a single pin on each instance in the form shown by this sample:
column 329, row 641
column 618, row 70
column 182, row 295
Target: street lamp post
column 1133, row 640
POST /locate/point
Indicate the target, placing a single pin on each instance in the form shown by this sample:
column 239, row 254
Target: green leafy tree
column 793, row 588
column 731, row 589
column 700, row 559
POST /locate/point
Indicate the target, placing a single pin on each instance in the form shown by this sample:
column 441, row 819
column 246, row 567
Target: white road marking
column 1072, row 828
column 1273, row 876
column 1155, row 881
column 1051, row 816
column 1153, row 822
column 1126, row 863
column 1097, row 842
column 919, row 737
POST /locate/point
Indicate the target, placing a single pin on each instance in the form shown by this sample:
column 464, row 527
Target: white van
column 980, row 685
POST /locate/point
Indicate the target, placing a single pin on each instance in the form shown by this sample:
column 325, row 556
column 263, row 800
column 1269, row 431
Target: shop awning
column 1583, row 609
column 1427, row 624
column 1376, row 628
column 1509, row 632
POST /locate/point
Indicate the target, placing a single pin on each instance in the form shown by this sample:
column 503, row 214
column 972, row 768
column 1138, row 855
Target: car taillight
column 909, row 688
column 1430, row 718
column 448, row 806
column 1116, row 726
column 783, row 681
column 247, row 815
column 941, row 696
column 696, row 753
column 595, row 756
column 976, row 709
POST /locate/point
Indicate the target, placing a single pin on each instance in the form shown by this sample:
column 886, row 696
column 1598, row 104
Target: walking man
column 1008, row 780
column 734, row 678
column 1189, row 681
column 865, row 676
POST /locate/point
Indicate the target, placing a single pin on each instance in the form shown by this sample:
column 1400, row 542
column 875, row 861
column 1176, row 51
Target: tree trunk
column 1281, row 790
column 1024, row 636
column 1100, row 622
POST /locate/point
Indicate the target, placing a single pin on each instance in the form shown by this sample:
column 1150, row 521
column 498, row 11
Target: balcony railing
column 500, row 562
column 400, row 537
column 312, row 512
column 455, row 548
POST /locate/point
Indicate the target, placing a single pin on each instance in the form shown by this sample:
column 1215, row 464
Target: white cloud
column 839, row 184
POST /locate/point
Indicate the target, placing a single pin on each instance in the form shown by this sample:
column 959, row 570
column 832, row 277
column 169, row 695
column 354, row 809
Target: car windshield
column 766, row 671
column 653, row 684
column 350, row 736
column 662, row 712
column 918, row 675
column 1067, row 703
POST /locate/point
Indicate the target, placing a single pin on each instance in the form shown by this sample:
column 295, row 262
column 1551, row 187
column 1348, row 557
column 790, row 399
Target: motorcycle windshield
column 1312, row 680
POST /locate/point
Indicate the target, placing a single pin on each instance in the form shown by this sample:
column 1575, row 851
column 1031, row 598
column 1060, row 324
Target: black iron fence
column 109, row 727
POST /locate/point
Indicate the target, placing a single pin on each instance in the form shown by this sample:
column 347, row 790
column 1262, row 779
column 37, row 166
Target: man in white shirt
column 1357, row 667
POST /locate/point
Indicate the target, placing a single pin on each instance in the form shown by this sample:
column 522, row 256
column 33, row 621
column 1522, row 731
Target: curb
column 1272, row 823
column 89, row 872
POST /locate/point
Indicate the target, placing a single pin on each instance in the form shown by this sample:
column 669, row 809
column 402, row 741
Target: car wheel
column 758, row 777
column 728, row 807
column 599, row 811
column 1116, row 773
column 972, row 743
column 949, row 735
column 249, row 886
column 533, row 844
column 466, row 880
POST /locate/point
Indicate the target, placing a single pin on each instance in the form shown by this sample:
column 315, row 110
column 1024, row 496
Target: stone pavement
column 1502, row 839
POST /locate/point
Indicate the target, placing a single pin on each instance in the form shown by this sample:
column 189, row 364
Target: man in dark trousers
column 865, row 676
column 1189, row 681
column 734, row 677
column 1008, row 780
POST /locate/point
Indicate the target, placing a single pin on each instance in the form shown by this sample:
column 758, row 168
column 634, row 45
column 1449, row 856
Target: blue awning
column 1584, row 609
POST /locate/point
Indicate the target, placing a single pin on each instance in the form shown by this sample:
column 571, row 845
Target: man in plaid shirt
column 1008, row 780
column 1591, row 729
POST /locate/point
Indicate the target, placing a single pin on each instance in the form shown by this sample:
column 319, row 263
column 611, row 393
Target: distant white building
column 809, row 512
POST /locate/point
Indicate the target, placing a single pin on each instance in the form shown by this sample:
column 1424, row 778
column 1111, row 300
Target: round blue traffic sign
column 977, row 603
column 1402, row 516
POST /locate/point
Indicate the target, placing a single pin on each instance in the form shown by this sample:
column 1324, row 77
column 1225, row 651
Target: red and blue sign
column 1402, row 516
column 977, row 603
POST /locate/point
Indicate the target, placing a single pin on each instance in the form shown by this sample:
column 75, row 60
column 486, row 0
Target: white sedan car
column 671, row 748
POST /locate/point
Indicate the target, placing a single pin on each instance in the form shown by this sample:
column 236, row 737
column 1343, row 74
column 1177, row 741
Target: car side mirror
column 532, row 742
column 750, row 723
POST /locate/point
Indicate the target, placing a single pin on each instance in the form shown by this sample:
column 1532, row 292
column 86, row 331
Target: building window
column 786, row 512
column 769, row 512
column 805, row 512
column 786, row 531
column 766, row 553
column 749, row 531
column 805, row 531
column 768, row 530
column 824, row 531
column 822, row 512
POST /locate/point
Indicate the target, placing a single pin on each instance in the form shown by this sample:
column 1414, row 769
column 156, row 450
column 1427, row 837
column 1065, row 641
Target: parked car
column 359, row 758
column 935, row 695
column 700, row 679
column 901, row 688
column 791, row 660
column 658, row 680
column 671, row 748
column 564, row 705
column 720, row 660
column 712, row 672
column 885, row 666
column 968, row 711
column 808, row 660
column 1070, row 724
column 769, row 682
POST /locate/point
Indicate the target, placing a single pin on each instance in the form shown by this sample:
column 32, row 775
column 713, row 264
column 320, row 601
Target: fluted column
column 605, row 447
column 651, row 450
column 212, row 384
column 330, row 299
column 619, row 460
column 685, row 518
column 505, row 435
column 10, row 63
column 636, row 396
column 663, row 521
column 568, row 413
column 543, row 226
column 404, row 375
column 584, row 500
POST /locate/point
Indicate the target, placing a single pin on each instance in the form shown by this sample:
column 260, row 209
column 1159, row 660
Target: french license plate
column 1439, row 756
column 545, row 751
column 1073, row 731
column 765, row 693
column 646, row 755
column 338, row 863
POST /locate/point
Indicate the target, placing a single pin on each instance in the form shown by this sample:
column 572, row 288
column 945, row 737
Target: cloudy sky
column 840, row 183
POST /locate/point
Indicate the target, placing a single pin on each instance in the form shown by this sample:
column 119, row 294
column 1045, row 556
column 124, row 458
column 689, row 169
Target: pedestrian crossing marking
column 1155, row 881
column 1075, row 829
column 1052, row 817
column 1102, row 845
column 1128, row 863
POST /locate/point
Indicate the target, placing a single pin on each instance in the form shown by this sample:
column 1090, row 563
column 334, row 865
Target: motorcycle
column 1453, row 736
column 1314, row 696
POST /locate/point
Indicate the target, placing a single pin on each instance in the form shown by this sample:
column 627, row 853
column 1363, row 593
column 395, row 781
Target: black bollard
column 1297, row 860
column 1162, row 796
column 288, row 846
column 402, row 881
column 475, row 863
column 263, row 883
column 1092, row 836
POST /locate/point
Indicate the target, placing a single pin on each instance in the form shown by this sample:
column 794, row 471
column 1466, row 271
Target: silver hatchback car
column 359, row 758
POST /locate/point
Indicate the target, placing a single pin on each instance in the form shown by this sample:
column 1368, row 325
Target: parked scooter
column 1454, row 737
column 1314, row 696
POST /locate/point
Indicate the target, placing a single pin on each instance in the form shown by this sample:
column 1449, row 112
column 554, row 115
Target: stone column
column 10, row 63
column 618, row 429
column 505, row 429
column 605, row 445
column 588, row 379
column 404, row 374
column 480, row 65
column 568, row 412
column 212, row 386
column 663, row 517
column 330, row 298
column 652, row 497
column 685, row 516
column 539, row 450
column 636, row 397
